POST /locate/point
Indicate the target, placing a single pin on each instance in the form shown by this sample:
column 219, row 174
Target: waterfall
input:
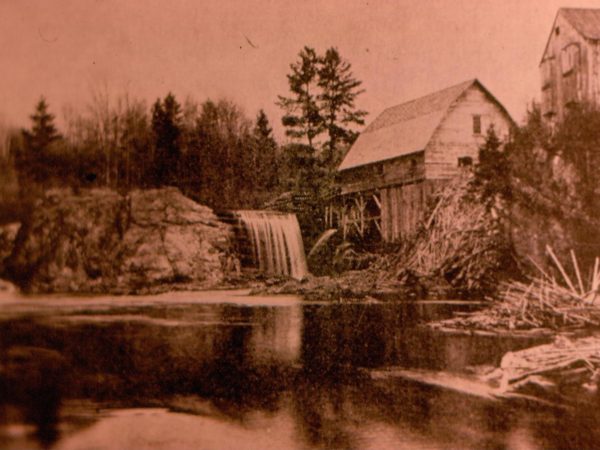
column 276, row 242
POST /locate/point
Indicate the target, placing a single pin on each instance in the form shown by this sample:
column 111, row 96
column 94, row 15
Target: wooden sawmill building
column 570, row 65
column 407, row 152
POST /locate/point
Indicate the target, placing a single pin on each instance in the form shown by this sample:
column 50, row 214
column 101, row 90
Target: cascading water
column 276, row 242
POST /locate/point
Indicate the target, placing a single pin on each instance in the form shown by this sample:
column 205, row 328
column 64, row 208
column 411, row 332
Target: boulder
column 101, row 241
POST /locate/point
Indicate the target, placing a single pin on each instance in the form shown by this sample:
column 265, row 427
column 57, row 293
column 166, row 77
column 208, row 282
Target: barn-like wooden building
column 406, row 153
column 570, row 65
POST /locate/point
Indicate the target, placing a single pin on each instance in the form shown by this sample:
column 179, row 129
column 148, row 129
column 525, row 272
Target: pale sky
column 401, row 49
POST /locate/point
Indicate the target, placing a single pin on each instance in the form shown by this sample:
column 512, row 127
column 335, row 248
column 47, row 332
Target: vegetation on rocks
column 554, row 194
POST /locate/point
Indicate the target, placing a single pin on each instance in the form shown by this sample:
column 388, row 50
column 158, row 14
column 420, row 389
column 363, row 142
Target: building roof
column 585, row 20
column 403, row 129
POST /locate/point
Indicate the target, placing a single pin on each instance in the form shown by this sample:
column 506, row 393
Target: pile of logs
column 544, row 302
column 560, row 372
column 461, row 241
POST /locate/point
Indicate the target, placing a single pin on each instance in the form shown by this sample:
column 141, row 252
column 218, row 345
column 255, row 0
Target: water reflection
column 288, row 376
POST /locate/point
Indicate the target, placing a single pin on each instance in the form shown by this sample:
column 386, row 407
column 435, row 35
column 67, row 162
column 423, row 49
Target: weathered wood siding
column 403, row 207
column 455, row 137
column 402, row 170
column 569, row 70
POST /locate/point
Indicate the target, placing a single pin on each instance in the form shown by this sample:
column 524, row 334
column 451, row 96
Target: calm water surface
column 220, row 370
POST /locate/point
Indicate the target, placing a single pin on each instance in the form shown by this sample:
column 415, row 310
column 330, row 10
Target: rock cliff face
column 100, row 241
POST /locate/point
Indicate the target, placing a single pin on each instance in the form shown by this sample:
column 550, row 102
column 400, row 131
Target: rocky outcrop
column 100, row 241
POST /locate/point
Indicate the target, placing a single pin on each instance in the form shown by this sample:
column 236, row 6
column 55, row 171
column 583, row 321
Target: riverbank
column 365, row 285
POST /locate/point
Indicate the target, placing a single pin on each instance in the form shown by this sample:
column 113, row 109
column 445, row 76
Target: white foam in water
column 276, row 242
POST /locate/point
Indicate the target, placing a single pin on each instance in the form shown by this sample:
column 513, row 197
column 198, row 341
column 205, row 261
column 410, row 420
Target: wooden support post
column 360, row 204
column 377, row 221
column 377, row 201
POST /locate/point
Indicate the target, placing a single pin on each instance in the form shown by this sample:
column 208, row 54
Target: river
column 224, row 370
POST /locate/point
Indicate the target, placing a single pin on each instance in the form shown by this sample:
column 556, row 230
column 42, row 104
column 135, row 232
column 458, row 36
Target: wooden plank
column 406, row 206
column 403, row 211
column 396, row 220
column 384, row 215
column 390, row 216
column 361, row 215
column 344, row 223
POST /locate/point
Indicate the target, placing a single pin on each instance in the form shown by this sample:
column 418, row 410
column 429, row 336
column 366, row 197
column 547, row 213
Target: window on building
column 465, row 161
column 569, row 58
column 476, row 124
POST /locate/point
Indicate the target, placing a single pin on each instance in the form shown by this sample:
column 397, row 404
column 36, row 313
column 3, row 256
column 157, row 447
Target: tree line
column 210, row 150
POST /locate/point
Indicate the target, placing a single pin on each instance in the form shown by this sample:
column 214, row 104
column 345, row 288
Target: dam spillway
column 276, row 242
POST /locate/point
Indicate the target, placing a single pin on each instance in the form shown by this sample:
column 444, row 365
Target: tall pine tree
column 336, row 102
column 323, row 100
column 265, row 153
column 302, row 117
column 34, row 161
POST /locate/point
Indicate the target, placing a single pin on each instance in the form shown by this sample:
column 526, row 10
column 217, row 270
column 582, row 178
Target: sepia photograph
column 299, row 224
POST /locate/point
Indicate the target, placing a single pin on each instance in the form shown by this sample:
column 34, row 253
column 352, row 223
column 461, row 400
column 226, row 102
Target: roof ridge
column 586, row 21
column 431, row 94
column 576, row 8
column 425, row 102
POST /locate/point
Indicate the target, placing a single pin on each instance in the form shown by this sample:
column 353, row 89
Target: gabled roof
column 405, row 128
column 586, row 21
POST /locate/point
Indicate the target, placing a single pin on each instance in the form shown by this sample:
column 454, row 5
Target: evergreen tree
column 302, row 117
column 323, row 100
column 323, row 94
column 339, row 90
column 33, row 161
column 166, row 128
column 493, row 170
column 265, row 153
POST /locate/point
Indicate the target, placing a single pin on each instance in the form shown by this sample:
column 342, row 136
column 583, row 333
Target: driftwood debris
column 565, row 371
column 542, row 303
column 462, row 242
column 475, row 387
column 457, row 383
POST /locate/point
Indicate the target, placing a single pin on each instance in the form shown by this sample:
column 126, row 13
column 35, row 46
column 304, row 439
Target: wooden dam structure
column 408, row 152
